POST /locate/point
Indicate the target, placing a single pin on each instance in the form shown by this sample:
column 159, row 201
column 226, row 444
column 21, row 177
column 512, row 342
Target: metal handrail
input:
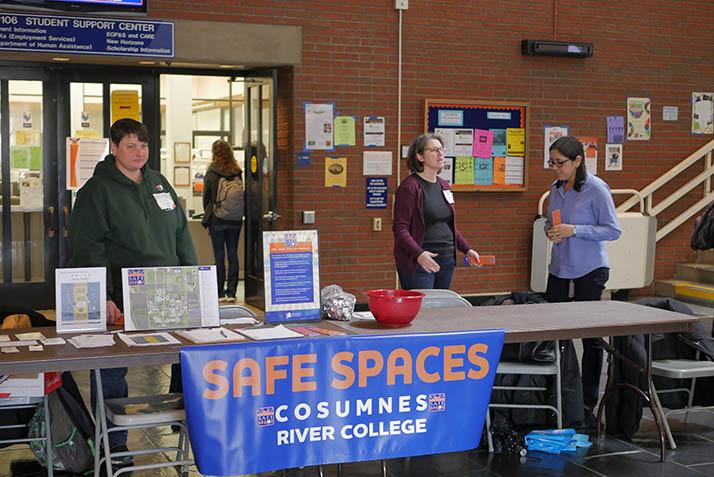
column 704, row 152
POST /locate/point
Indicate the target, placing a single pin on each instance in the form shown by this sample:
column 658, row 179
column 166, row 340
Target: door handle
column 53, row 222
column 65, row 221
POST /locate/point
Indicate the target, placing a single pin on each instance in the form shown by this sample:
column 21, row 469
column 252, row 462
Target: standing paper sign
column 81, row 299
column 292, row 275
column 158, row 298
column 262, row 406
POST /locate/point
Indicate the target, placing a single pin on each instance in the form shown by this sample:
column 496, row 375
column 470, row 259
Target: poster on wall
column 335, row 172
column 639, row 123
column 550, row 135
column 82, row 155
column 590, row 148
column 344, row 131
column 291, row 275
column 374, row 131
column 615, row 129
column 125, row 104
column 613, row 157
column 319, row 119
column 702, row 113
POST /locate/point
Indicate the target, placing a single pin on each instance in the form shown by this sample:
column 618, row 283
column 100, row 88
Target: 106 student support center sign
column 262, row 406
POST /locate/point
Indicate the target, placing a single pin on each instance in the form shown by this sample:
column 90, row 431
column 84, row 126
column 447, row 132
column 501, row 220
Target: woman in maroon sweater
column 425, row 236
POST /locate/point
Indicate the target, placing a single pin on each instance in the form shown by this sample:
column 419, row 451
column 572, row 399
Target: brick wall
column 468, row 51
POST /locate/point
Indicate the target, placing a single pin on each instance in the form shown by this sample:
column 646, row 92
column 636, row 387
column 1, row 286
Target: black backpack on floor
column 72, row 430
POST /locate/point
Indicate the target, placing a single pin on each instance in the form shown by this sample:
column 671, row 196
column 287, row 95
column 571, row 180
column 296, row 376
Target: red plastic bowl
column 394, row 307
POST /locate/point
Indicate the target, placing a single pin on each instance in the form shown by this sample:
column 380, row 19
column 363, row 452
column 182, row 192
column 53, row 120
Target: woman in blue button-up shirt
column 587, row 219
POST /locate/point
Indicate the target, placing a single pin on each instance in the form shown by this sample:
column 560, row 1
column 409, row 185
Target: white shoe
column 224, row 299
column 230, row 299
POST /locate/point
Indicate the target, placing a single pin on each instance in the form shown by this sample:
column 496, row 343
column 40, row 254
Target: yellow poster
column 335, row 172
column 515, row 141
column 28, row 137
column 464, row 170
column 86, row 133
column 125, row 104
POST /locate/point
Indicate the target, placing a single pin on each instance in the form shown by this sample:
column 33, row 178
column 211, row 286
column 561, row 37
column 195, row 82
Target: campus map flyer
column 159, row 298
column 292, row 275
column 81, row 298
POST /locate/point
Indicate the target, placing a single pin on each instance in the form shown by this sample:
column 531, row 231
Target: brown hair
column 417, row 147
column 223, row 157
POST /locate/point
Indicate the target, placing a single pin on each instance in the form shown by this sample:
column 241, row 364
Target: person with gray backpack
column 223, row 205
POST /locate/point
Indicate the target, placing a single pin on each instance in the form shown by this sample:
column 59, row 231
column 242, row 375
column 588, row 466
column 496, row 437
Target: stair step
column 695, row 272
column 705, row 256
column 688, row 291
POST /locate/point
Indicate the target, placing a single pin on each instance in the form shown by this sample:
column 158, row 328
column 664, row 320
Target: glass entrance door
column 28, row 160
column 39, row 109
column 89, row 102
column 260, row 163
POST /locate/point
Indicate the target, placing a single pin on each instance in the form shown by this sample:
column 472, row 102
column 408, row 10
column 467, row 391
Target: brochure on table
column 81, row 298
column 292, row 275
column 157, row 298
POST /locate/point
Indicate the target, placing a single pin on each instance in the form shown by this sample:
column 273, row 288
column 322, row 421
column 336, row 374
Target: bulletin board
column 496, row 161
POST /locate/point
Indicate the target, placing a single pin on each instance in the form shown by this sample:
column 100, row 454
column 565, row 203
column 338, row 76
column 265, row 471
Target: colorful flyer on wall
column 483, row 143
column 345, row 131
column 702, row 112
column 292, row 275
column 613, row 157
column 81, row 299
column 319, row 126
column 516, row 141
column 464, row 170
column 551, row 134
column 499, row 143
column 639, row 124
column 590, row 148
column 615, row 129
column 483, row 171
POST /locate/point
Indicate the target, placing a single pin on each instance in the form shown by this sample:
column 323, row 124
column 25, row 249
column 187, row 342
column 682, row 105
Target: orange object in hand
column 555, row 219
column 488, row 259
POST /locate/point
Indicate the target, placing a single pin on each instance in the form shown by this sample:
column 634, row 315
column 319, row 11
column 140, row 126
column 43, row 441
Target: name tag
column 449, row 196
column 164, row 201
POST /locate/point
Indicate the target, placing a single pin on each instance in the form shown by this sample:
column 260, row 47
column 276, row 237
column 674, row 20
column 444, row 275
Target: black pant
column 587, row 288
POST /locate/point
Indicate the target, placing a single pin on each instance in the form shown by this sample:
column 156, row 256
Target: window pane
column 26, row 199
column 86, row 109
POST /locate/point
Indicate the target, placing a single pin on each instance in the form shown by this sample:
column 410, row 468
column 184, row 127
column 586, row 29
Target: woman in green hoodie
column 127, row 215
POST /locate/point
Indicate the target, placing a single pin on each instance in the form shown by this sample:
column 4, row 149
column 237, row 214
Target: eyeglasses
column 558, row 164
column 435, row 149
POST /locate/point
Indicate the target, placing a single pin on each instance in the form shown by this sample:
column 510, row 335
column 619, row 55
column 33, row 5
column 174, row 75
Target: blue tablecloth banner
column 261, row 406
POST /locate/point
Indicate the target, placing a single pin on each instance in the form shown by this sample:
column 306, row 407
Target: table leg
column 645, row 393
column 102, row 421
column 48, row 437
column 655, row 412
column 609, row 385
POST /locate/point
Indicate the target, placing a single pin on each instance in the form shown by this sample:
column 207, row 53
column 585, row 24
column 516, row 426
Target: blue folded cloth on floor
column 555, row 441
